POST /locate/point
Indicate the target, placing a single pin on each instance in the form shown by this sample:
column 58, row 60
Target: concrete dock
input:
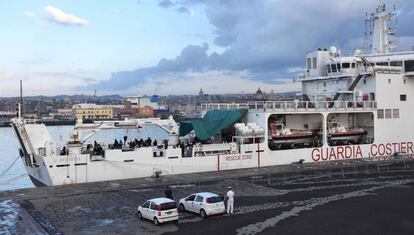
column 344, row 197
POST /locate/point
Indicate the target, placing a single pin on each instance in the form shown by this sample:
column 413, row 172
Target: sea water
column 9, row 149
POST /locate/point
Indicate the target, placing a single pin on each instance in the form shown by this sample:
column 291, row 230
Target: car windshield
column 214, row 199
column 168, row 206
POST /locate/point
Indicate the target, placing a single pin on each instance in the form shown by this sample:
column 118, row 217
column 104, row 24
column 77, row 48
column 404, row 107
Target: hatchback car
column 158, row 210
column 204, row 204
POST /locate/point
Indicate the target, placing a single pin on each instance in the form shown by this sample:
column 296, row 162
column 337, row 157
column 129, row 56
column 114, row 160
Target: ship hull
column 143, row 166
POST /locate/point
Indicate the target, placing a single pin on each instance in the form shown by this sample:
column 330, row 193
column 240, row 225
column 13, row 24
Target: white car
column 204, row 204
column 158, row 210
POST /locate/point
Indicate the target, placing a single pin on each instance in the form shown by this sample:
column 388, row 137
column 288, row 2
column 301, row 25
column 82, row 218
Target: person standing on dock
column 169, row 193
column 230, row 200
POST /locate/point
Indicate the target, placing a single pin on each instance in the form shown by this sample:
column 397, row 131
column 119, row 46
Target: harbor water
column 16, row 177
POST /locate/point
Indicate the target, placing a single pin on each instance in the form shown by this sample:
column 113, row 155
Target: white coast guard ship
column 355, row 106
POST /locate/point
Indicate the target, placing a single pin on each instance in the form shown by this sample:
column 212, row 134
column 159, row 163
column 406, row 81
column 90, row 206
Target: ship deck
column 345, row 197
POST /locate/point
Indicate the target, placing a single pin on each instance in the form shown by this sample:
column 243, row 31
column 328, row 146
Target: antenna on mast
column 380, row 31
column 367, row 34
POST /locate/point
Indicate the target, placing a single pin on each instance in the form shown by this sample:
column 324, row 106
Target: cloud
column 45, row 82
column 60, row 17
column 34, row 61
column 295, row 69
column 165, row 4
column 212, row 82
column 185, row 10
column 263, row 42
column 189, row 82
column 193, row 63
column 29, row 14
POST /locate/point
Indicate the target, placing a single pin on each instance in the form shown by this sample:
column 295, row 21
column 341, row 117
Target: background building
column 93, row 111
column 141, row 102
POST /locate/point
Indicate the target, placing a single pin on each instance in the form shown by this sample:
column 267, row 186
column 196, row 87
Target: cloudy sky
column 173, row 46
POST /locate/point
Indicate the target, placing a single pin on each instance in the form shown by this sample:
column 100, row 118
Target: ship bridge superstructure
column 332, row 76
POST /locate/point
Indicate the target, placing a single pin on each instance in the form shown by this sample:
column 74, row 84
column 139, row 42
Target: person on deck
column 148, row 142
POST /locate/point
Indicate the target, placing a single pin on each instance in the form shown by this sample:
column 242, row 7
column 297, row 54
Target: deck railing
column 294, row 105
column 225, row 106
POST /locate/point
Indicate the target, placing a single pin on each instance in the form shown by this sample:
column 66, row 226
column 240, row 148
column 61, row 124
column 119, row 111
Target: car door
column 189, row 202
column 152, row 211
column 198, row 204
column 145, row 209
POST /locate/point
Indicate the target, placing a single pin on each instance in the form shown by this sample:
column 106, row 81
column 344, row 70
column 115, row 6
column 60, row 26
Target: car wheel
column 139, row 215
column 182, row 208
column 175, row 221
column 156, row 222
column 203, row 213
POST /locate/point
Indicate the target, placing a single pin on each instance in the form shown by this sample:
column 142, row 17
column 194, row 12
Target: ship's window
column 339, row 67
column 63, row 165
column 396, row 63
column 380, row 114
column 388, row 113
column 314, row 62
column 409, row 65
column 333, row 68
column 328, row 68
column 345, row 65
column 396, row 113
column 403, row 97
column 381, row 63
column 309, row 61
column 353, row 65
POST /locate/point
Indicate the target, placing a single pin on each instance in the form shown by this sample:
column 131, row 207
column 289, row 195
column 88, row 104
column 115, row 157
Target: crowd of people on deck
column 136, row 143
column 97, row 149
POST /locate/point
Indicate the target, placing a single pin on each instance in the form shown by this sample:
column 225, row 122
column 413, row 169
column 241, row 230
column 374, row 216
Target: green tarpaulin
column 213, row 122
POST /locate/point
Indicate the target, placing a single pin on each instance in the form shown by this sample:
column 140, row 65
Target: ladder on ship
column 355, row 81
column 306, row 98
